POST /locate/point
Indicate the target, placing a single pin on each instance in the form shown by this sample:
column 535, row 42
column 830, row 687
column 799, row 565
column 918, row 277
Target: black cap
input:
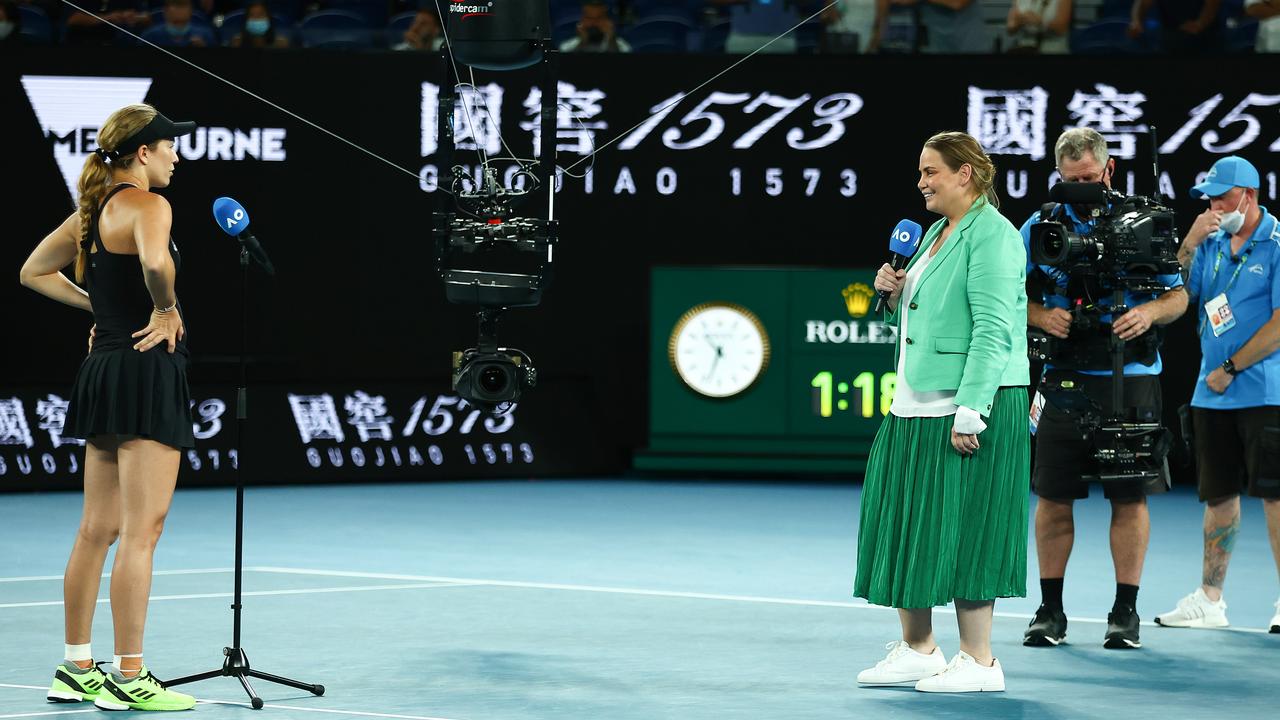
column 160, row 128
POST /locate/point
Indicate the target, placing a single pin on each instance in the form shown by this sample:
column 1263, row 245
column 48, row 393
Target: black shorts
column 1237, row 450
column 1063, row 456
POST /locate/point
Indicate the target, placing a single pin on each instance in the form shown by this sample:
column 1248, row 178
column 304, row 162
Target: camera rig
column 489, row 257
column 1133, row 241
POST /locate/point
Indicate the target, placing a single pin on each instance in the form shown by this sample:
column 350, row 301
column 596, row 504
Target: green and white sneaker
column 72, row 684
column 141, row 692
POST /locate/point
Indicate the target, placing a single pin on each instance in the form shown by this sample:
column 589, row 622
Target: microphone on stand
column 902, row 245
column 234, row 221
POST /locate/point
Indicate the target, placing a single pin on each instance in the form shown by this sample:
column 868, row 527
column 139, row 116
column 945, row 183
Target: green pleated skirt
column 937, row 525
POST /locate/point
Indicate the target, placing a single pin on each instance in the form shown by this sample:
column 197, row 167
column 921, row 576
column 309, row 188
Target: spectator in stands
column 596, row 31
column 1267, row 13
column 1039, row 26
column 85, row 29
column 423, row 34
column 854, row 19
column 178, row 29
column 10, row 25
column 259, row 29
column 758, row 25
column 953, row 26
column 1186, row 26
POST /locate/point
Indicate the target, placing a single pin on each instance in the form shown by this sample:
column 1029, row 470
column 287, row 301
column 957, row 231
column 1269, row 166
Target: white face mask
column 1234, row 220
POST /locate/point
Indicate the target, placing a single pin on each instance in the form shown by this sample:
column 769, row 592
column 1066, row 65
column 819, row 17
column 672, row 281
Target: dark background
column 357, row 302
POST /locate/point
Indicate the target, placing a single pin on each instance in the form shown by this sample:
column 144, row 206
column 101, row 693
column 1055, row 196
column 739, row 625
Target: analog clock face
column 719, row 349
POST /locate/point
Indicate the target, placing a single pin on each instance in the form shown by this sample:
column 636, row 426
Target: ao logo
column 904, row 237
column 235, row 218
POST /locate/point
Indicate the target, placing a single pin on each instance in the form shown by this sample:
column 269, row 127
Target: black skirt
column 126, row 392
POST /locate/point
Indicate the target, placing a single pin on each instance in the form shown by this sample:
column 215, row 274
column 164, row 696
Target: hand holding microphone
column 891, row 276
column 234, row 221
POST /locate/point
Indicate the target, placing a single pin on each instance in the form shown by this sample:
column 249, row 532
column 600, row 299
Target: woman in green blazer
column 944, row 503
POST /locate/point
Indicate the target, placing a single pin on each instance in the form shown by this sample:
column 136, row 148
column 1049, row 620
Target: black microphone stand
column 236, row 663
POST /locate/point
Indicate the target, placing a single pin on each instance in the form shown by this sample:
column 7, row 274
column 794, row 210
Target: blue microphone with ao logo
column 902, row 245
column 234, row 221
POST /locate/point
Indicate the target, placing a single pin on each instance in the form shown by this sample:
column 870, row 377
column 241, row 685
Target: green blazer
column 968, row 329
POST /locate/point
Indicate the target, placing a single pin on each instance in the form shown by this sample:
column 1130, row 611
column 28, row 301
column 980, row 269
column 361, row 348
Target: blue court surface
column 610, row 600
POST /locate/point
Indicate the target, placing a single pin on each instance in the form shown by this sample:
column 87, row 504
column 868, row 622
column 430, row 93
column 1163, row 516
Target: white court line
column 661, row 593
column 208, row 571
column 268, row 706
column 262, row 593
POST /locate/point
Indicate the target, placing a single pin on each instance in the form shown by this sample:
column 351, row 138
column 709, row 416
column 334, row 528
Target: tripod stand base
column 237, row 666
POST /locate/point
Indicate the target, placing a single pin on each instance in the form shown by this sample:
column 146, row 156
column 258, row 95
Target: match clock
column 719, row 349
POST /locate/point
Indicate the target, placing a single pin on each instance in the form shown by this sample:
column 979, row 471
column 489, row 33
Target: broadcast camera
column 1133, row 240
column 485, row 254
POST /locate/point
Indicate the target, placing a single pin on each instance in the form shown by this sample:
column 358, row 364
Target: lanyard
column 1232, row 281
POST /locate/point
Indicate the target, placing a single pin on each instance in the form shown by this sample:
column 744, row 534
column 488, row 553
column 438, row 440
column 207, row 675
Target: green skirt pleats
column 937, row 525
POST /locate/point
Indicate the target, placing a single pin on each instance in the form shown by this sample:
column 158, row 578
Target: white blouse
column 908, row 402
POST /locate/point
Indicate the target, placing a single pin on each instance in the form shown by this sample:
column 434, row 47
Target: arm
column 1060, row 24
column 878, row 26
column 1263, row 9
column 1014, row 19
column 151, row 234
column 42, row 271
column 1161, row 311
column 995, row 279
column 1263, row 343
column 1208, row 14
column 1206, row 223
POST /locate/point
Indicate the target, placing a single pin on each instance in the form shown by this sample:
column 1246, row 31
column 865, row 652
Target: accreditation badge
column 1218, row 310
column 1037, row 407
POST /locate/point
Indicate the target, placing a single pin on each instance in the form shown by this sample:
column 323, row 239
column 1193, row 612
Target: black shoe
column 1047, row 628
column 1122, row 629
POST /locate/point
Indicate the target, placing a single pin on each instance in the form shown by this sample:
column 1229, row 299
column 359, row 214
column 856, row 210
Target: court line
column 268, row 706
column 263, row 593
column 204, row 571
column 663, row 593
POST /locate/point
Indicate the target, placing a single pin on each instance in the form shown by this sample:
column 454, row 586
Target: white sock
column 78, row 653
column 116, row 659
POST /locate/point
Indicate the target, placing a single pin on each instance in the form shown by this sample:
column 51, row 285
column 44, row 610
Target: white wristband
column 968, row 421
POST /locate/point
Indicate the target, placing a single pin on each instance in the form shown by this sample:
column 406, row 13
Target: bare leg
column 1055, row 534
column 974, row 619
column 99, row 528
column 148, row 474
column 1221, row 528
column 917, row 629
column 1130, row 532
column 1271, row 507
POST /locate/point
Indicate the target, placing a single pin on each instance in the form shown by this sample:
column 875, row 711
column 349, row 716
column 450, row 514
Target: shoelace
column 896, row 649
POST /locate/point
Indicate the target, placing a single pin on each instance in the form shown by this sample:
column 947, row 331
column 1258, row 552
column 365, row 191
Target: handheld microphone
column 234, row 221
column 902, row 245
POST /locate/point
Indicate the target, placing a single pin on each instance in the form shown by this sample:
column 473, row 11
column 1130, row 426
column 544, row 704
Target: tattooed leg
column 1221, row 527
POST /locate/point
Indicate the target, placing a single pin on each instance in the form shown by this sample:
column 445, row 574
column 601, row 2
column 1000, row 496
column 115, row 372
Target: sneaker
column 71, row 684
column 141, row 692
column 1122, row 629
column 1275, row 620
column 964, row 674
column 903, row 666
column 1196, row 611
column 1047, row 628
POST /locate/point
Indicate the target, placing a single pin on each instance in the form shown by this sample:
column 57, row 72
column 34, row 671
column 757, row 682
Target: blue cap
column 1229, row 172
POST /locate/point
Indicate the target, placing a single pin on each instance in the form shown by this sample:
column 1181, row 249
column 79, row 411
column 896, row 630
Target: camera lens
column 493, row 379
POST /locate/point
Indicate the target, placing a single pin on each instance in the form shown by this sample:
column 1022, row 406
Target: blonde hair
column 958, row 149
column 95, row 177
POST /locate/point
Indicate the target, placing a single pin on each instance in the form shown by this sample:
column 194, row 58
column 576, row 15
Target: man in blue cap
column 1233, row 252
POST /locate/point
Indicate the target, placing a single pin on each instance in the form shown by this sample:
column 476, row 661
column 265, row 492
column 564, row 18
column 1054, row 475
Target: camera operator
column 1063, row 457
column 1234, row 281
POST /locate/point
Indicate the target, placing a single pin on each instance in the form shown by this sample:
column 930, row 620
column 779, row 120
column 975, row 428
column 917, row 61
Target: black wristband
column 1229, row 367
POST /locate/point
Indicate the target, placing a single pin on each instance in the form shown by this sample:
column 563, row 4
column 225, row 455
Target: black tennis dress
column 118, row 390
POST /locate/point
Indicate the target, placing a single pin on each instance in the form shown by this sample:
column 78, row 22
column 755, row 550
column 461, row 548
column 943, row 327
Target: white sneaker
column 1275, row 620
column 903, row 666
column 964, row 674
column 1196, row 611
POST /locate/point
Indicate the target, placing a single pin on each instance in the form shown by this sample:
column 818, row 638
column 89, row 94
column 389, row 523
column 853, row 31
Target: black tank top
column 117, row 291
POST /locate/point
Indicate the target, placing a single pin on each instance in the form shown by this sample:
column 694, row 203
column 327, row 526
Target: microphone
column 1076, row 193
column 902, row 245
column 234, row 221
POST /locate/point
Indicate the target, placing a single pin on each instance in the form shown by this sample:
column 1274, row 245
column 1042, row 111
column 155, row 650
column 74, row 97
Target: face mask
column 6, row 28
column 177, row 30
column 1234, row 220
column 257, row 26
